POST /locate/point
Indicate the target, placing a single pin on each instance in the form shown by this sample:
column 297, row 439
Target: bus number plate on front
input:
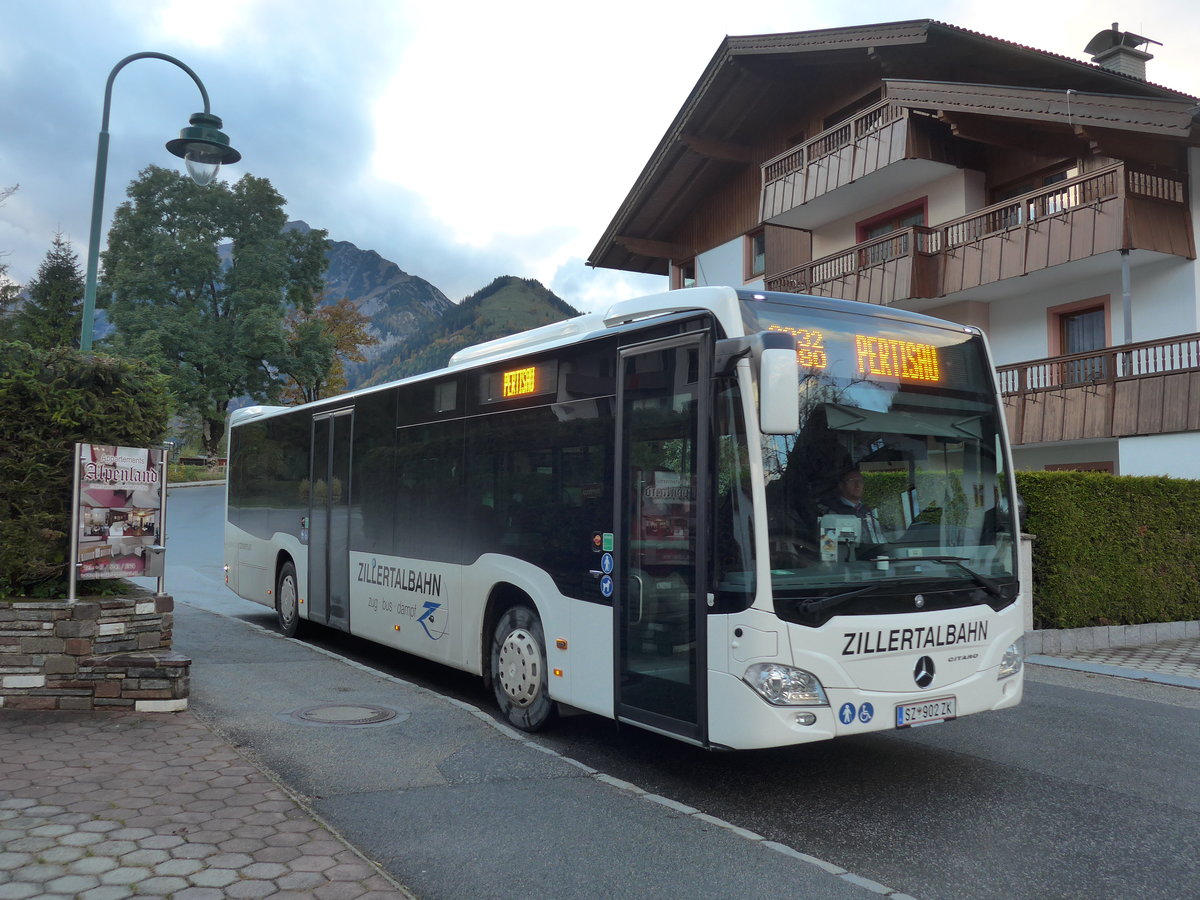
column 926, row 712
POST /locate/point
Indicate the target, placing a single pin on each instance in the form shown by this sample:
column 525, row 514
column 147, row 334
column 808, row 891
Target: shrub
column 49, row 400
column 178, row 473
column 1112, row 550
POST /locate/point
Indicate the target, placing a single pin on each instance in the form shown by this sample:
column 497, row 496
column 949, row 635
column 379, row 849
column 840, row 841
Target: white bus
column 739, row 519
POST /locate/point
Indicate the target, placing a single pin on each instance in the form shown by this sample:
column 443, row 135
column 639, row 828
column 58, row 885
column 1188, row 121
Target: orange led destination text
column 520, row 382
column 897, row 359
column 810, row 346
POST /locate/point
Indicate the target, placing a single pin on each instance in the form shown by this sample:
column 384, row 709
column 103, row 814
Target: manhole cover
column 346, row 714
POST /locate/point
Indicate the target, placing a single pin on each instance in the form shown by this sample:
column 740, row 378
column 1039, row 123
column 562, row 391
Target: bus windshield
column 892, row 494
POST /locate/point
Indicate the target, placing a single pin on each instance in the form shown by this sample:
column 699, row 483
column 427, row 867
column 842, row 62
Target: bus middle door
column 329, row 517
column 659, row 604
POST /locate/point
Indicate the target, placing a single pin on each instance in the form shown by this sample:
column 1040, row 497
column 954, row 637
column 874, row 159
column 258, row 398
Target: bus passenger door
column 329, row 519
column 661, row 490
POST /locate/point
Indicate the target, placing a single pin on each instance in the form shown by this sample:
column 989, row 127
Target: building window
column 756, row 254
column 1031, row 183
column 1078, row 328
column 899, row 219
column 683, row 274
column 1030, row 210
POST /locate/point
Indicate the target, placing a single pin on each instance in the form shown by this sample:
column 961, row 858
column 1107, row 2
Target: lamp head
column 203, row 147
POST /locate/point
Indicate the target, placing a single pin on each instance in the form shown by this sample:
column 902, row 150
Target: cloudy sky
column 460, row 139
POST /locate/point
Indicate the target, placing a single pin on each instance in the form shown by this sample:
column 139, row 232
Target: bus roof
column 722, row 302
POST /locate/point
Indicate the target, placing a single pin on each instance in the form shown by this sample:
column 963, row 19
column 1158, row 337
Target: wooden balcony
column 883, row 270
column 1115, row 208
column 877, row 138
column 1151, row 387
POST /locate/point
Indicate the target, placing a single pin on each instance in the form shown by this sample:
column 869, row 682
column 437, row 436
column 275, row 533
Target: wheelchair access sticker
column 849, row 712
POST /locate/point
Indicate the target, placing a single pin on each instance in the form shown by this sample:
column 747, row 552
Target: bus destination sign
column 518, row 382
column 897, row 359
column 876, row 356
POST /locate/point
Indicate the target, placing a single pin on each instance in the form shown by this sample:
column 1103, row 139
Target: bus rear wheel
column 287, row 600
column 518, row 669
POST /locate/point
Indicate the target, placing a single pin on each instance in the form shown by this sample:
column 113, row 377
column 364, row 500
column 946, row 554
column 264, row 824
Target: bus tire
column 519, row 671
column 287, row 600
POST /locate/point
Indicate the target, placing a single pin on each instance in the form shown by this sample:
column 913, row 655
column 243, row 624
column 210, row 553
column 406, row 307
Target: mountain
column 418, row 327
column 398, row 304
column 506, row 306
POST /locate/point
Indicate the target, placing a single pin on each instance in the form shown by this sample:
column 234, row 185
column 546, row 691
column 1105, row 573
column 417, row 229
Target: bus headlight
column 1013, row 660
column 784, row 686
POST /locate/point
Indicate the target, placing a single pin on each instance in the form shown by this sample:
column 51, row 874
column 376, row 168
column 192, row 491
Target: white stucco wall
column 722, row 265
column 1037, row 458
column 1194, row 182
column 1163, row 304
column 1164, row 300
column 1176, row 455
column 949, row 198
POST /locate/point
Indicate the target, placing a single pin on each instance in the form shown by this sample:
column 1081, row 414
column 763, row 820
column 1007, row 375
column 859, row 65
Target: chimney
column 1119, row 51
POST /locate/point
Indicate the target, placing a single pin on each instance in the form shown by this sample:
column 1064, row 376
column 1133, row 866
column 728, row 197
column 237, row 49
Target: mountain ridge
column 509, row 304
column 396, row 303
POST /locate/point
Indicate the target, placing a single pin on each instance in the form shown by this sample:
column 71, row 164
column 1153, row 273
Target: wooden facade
column 1151, row 387
column 1119, row 207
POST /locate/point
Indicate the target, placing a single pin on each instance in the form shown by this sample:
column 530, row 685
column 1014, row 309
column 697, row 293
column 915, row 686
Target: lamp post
column 201, row 145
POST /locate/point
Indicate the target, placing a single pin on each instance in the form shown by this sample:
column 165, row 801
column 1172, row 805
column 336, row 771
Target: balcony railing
column 831, row 140
column 1151, row 387
column 876, row 137
column 1074, row 219
column 875, row 270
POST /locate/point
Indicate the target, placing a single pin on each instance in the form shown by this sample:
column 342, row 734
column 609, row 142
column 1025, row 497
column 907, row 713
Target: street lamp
column 201, row 145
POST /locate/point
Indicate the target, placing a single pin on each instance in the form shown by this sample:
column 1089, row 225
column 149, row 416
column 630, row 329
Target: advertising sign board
column 118, row 516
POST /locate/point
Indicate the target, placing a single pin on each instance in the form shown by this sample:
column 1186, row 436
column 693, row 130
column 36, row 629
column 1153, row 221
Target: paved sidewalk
column 1169, row 662
column 113, row 805
column 104, row 806
column 107, row 806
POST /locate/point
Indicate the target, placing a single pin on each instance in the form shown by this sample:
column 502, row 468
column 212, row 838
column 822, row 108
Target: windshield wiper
column 820, row 604
column 980, row 579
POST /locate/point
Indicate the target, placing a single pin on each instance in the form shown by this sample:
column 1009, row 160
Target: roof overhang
column 1166, row 116
column 750, row 78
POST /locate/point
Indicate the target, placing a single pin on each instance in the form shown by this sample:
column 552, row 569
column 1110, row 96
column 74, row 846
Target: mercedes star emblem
column 923, row 673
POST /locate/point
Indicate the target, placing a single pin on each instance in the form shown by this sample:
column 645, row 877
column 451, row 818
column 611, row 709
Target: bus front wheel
column 518, row 670
column 287, row 600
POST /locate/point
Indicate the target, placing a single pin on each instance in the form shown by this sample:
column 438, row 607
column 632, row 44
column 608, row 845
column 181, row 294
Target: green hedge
column 1112, row 550
column 177, row 473
column 49, row 400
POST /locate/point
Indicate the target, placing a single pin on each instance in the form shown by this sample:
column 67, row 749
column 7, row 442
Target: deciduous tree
column 199, row 279
column 322, row 341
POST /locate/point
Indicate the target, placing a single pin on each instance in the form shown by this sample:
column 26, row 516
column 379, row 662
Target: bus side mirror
column 774, row 356
column 778, row 392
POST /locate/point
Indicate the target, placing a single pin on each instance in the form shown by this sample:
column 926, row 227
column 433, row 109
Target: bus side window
column 429, row 503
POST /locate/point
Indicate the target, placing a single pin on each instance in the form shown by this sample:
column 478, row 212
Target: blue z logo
column 430, row 608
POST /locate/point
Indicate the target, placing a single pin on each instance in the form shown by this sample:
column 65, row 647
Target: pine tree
column 52, row 316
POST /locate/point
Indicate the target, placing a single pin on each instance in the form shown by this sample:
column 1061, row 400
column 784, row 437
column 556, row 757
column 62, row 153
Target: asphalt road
column 1088, row 789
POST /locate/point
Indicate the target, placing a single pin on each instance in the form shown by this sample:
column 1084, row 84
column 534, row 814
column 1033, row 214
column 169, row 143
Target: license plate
column 926, row 712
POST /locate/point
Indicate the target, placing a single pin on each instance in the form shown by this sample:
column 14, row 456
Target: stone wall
column 1065, row 641
column 91, row 654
